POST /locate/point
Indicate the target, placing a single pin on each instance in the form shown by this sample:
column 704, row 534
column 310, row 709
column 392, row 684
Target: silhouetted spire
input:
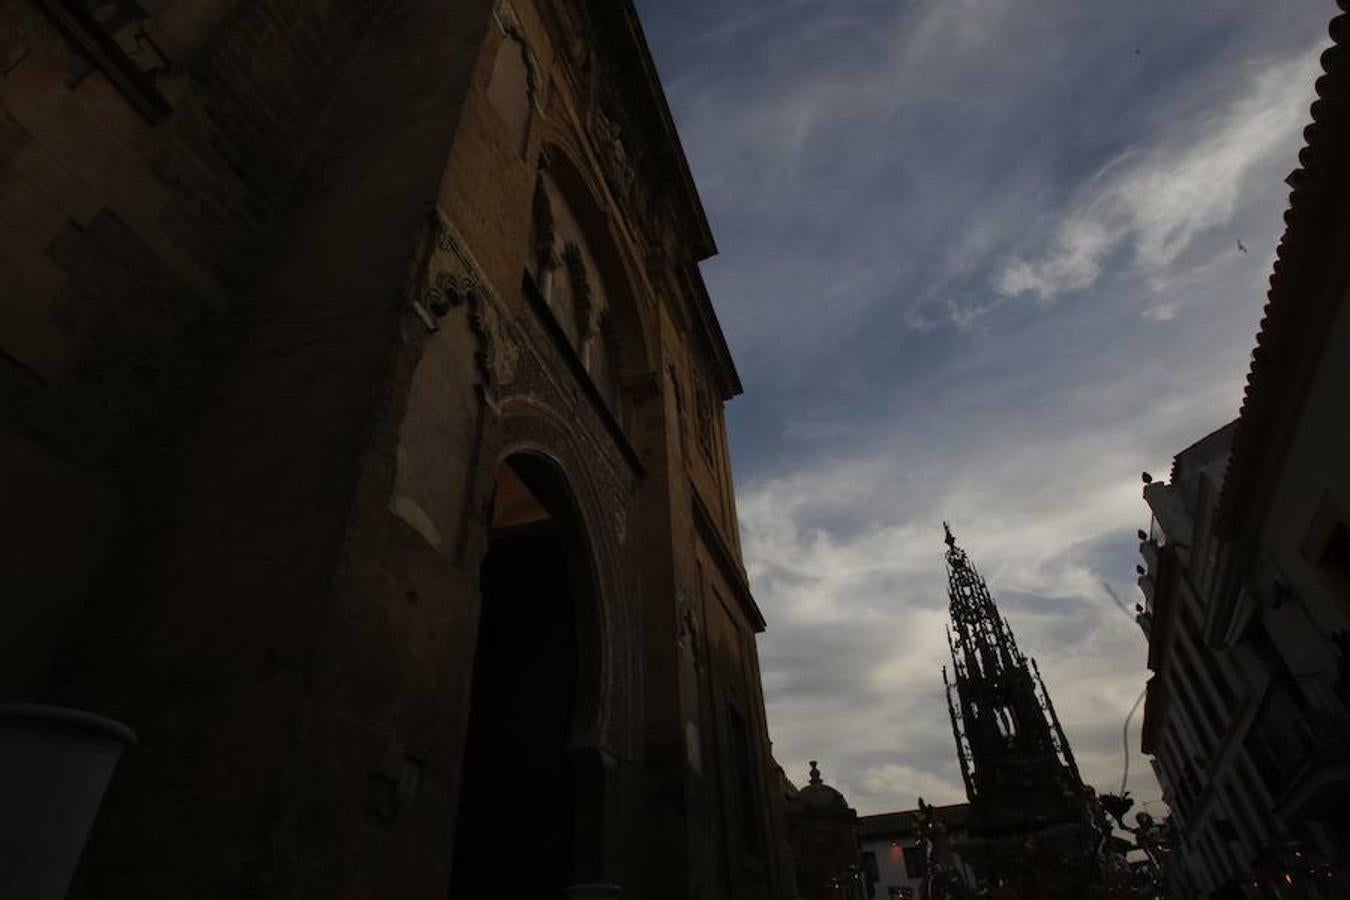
column 1005, row 728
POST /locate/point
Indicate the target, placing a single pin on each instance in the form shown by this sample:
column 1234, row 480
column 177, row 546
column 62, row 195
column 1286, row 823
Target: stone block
column 13, row 138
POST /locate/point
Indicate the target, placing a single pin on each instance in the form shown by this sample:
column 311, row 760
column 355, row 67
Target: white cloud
column 882, row 178
column 1155, row 204
column 1073, row 265
column 845, row 555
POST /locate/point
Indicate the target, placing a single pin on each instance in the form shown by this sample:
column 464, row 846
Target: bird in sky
column 1241, row 247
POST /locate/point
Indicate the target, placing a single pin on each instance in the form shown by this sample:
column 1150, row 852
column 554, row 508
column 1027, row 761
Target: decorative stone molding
column 531, row 420
column 689, row 631
column 545, row 228
column 531, row 401
column 452, row 279
column 509, row 22
column 703, row 411
column 608, row 137
column 581, row 291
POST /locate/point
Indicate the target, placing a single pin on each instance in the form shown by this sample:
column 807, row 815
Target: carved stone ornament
column 689, row 630
column 497, row 354
column 581, row 289
column 613, row 153
column 509, row 23
column 681, row 414
column 451, row 279
column 449, row 292
column 545, row 230
column 539, row 418
column 704, row 412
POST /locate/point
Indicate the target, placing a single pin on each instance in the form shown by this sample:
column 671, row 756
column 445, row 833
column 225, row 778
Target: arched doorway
column 532, row 688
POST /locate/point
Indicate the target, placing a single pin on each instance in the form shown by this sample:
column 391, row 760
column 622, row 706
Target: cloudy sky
column 978, row 262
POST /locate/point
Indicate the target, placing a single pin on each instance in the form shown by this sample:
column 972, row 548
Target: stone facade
column 294, row 291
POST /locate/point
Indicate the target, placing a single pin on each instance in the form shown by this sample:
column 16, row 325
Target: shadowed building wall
column 299, row 296
column 1246, row 575
column 823, row 834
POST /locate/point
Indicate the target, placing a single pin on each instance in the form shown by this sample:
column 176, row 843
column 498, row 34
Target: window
column 1193, row 681
column 1241, row 805
column 1327, row 545
column 582, row 304
column 1192, row 717
column 1336, row 553
column 1007, row 723
column 567, row 277
column 1209, row 662
column 1250, row 791
column 742, row 772
column 916, row 861
column 703, row 404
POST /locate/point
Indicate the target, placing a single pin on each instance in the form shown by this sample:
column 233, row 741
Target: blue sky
column 978, row 262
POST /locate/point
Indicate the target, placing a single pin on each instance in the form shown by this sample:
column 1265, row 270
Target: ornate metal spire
column 1006, row 732
column 987, row 643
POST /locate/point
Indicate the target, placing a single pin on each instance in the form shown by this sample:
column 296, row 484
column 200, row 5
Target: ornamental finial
column 951, row 541
column 815, row 773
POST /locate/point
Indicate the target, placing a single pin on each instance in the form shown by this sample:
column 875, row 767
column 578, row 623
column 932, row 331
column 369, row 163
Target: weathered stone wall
column 271, row 346
column 480, row 375
column 636, row 484
column 211, row 301
column 131, row 247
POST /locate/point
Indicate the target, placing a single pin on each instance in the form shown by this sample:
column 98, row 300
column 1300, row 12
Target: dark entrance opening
column 515, row 829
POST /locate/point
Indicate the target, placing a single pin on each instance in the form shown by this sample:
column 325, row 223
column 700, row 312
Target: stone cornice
column 726, row 559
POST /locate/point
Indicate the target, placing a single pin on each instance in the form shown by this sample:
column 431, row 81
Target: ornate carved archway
column 533, row 403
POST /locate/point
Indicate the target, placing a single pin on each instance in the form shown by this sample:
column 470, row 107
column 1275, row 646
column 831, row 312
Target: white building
column 893, row 853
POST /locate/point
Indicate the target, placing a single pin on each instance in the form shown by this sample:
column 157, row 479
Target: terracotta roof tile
column 1300, row 304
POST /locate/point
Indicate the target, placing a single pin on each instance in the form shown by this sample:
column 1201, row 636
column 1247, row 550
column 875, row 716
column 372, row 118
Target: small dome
column 820, row 795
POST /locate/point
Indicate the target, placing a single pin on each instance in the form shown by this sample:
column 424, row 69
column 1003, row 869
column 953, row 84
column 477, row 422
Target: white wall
column 890, row 866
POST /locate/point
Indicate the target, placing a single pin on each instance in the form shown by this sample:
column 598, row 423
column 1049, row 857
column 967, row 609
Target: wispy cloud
column 857, row 618
column 1153, row 203
column 886, row 180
